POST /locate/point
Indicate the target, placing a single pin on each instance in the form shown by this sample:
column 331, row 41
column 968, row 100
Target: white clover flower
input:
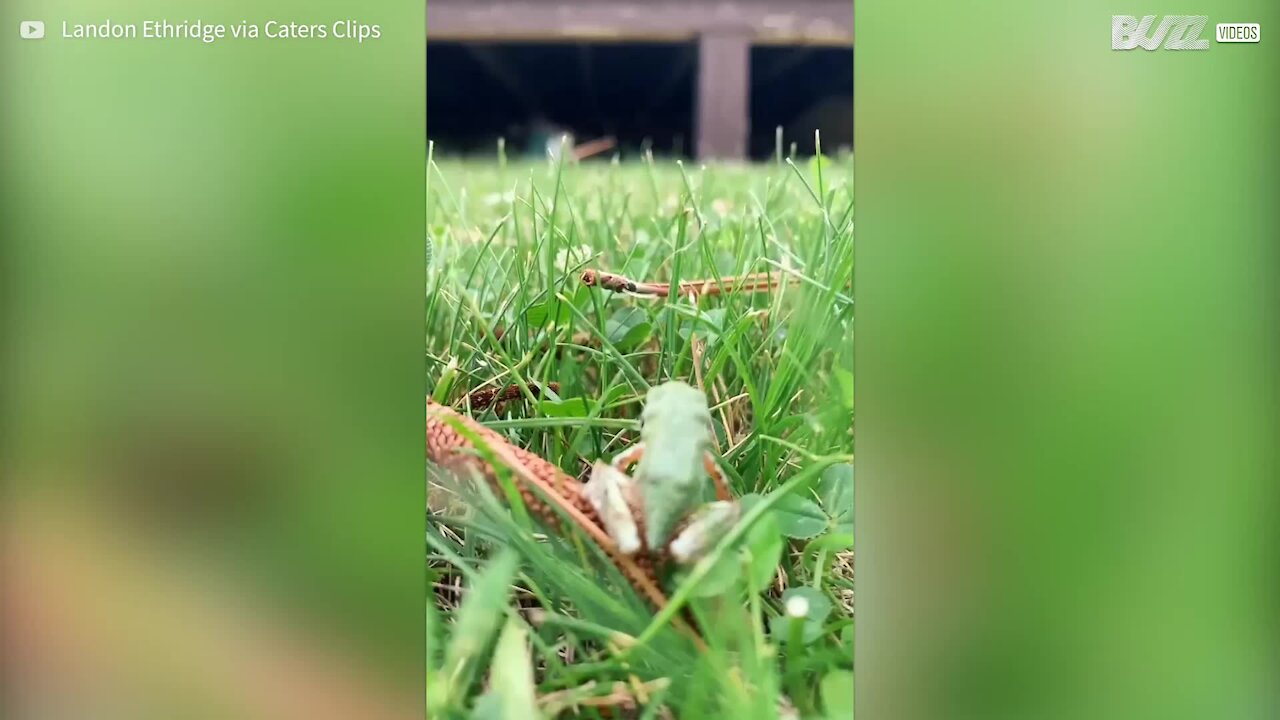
column 797, row 606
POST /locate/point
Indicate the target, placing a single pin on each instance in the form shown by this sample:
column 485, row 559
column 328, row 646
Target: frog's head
column 673, row 399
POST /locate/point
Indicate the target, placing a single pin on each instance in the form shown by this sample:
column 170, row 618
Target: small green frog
column 674, row 462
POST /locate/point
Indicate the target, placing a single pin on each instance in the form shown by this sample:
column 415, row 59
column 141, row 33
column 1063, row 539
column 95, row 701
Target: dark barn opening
column 640, row 94
column 801, row 89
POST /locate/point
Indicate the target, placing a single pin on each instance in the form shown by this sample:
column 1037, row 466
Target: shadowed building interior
column 712, row 80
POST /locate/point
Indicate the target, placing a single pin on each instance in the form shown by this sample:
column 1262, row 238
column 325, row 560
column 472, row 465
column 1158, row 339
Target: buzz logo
column 1177, row 32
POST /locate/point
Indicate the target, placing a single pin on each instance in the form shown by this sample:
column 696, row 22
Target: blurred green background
column 1066, row 365
column 212, row 365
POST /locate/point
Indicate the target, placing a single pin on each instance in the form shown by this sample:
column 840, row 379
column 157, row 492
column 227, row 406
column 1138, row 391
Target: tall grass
column 504, row 306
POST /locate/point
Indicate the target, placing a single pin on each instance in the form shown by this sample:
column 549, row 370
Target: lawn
column 521, row 615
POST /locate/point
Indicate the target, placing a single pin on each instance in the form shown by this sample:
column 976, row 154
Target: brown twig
column 623, row 696
column 755, row 282
column 594, row 147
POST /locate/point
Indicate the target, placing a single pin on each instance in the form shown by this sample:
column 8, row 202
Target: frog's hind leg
column 717, row 477
column 624, row 460
column 703, row 531
column 608, row 493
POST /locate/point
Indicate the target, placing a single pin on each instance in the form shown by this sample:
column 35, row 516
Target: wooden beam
column 724, row 67
column 812, row 22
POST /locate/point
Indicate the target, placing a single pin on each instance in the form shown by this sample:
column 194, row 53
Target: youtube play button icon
column 31, row 29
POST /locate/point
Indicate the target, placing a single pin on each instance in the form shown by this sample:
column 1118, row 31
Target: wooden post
column 724, row 67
